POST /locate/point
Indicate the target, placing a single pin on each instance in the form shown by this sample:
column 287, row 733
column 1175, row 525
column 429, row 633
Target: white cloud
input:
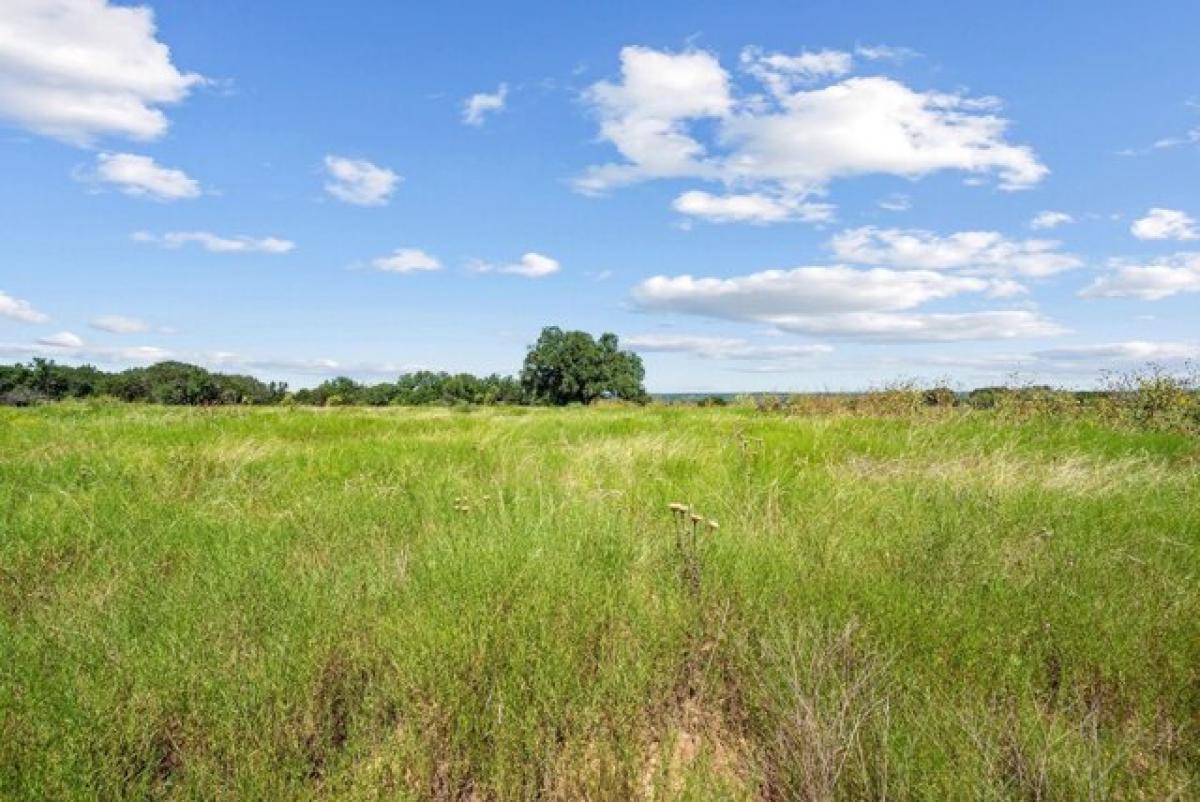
column 226, row 360
column 1078, row 359
column 477, row 107
column 1006, row 288
column 771, row 294
column 67, row 346
column 781, row 73
column 1165, row 224
column 935, row 327
column 644, row 115
column 751, row 208
column 896, row 55
column 142, row 354
column 359, row 181
column 78, row 69
column 984, row 251
column 1151, row 281
column 871, row 304
column 142, row 177
column 64, row 339
column 17, row 309
column 1050, row 219
column 720, row 347
column 1131, row 351
column 216, row 244
column 1191, row 137
column 119, row 324
column 896, row 202
column 793, row 143
column 406, row 260
column 532, row 265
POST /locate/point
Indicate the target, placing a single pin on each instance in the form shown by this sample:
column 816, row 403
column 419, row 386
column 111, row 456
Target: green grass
column 286, row 604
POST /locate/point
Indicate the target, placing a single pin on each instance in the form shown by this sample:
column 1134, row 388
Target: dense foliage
column 163, row 383
column 562, row 368
column 570, row 367
column 414, row 389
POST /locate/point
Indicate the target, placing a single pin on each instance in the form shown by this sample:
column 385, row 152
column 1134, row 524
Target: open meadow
column 479, row 604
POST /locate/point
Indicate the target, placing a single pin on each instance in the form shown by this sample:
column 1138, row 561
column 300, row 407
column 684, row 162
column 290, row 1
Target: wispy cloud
column 478, row 107
column 215, row 243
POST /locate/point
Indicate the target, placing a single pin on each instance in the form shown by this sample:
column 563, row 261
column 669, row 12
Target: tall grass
column 402, row 604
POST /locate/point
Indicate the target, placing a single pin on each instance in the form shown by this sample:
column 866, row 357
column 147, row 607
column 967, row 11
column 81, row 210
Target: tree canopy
column 570, row 367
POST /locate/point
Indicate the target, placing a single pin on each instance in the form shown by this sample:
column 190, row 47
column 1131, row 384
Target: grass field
column 428, row 604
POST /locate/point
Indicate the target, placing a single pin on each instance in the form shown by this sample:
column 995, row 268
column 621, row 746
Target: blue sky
column 761, row 196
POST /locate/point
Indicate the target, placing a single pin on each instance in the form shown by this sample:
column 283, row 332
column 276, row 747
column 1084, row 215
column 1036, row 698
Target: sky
column 762, row 196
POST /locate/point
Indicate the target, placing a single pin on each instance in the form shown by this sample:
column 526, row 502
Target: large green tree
column 569, row 367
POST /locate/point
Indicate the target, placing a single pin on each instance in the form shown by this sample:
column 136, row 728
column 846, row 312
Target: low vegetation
column 887, row 597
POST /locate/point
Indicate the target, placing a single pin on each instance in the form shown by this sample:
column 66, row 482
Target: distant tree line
column 563, row 367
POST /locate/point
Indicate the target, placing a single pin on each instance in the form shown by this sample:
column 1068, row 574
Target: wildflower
column 675, row 506
column 712, row 524
column 697, row 518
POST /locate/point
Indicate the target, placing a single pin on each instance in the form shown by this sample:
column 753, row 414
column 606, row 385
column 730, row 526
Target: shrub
column 21, row 397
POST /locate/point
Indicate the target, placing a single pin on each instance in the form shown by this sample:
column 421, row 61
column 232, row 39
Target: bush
column 939, row 397
column 21, row 397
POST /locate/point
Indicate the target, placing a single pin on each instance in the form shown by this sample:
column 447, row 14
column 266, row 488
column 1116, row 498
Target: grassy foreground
column 425, row 604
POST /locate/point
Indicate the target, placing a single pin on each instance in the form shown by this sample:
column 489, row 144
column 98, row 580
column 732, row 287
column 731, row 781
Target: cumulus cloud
column 1050, row 219
column 359, row 182
column 63, row 339
column 1165, row 224
column 1150, row 281
column 142, row 177
column 119, row 324
column 477, row 107
column 750, row 208
column 873, row 125
column 720, row 347
column 216, row 244
column 645, row 116
column 795, row 141
column 20, row 310
column 79, row 69
column 985, row 251
column 406, row 260
column 842, row 301
column 532, row 265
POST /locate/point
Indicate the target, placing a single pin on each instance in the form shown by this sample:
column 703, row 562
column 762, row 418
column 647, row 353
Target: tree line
column 562, row 367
